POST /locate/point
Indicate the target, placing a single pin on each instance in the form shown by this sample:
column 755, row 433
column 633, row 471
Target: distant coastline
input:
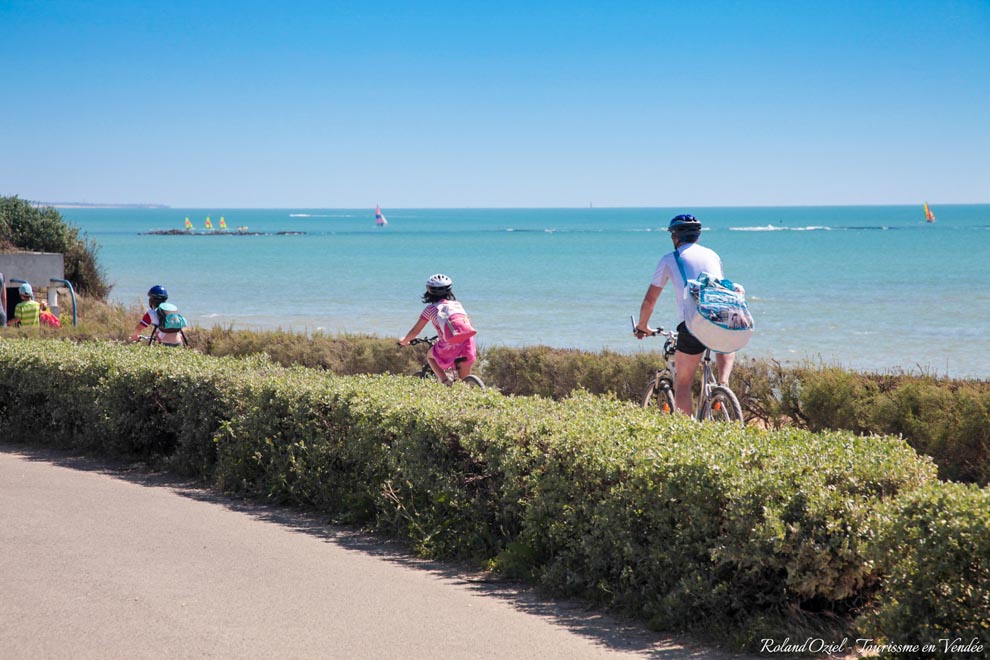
column 87, row 205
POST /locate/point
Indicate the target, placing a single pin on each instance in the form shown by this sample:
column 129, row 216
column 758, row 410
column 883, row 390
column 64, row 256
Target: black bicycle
column 427, row 373
column 716, row 402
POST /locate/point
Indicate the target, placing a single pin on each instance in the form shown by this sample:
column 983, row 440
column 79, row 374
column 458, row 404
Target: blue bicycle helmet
column 157, row 295
column 685, row 228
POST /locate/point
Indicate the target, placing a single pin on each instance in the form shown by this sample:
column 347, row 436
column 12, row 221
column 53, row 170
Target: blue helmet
column 685, row 228
column 157, row 295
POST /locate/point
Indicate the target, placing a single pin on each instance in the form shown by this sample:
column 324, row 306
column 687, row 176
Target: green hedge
column 933, row 547
column 653, row 515
column 946, row 419
column 121, row 400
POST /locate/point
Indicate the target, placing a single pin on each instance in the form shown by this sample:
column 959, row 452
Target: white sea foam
column 779, row 228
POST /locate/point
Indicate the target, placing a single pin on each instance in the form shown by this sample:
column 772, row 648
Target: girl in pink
column 455, row 347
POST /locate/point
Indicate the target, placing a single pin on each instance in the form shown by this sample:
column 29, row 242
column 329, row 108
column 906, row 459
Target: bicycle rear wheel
column 474, row 381
column 722, row 406
column 659, row 394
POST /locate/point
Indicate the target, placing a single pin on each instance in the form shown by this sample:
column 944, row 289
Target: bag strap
column 680, row 267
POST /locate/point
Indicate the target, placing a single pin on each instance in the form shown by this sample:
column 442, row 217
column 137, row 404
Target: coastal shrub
column 836, row 399
column 950, row 423
column 556, row 373
column 933, row 550
column 770, row 393
column 343, row 354
column 24, row 226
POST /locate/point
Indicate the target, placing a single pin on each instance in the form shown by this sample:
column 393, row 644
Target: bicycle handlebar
column 658, row 332
column 424, row 340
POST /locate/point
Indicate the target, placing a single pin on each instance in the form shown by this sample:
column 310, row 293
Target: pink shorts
column 445, row 354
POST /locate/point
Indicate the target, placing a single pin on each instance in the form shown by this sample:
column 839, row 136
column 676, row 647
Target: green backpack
column 169, row 319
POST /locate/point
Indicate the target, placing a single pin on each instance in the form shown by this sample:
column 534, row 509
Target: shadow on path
column 608, row 630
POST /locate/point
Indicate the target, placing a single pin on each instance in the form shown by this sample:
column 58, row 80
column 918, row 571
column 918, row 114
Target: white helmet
column 438, row 282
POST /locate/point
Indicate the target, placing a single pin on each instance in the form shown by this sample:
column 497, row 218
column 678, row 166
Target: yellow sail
column 209, row 225
column 929, row 216
column 188, row 224
column 223, row 223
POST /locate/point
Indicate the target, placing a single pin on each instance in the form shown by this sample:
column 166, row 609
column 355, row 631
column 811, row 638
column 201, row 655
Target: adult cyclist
column 685, row 230
column 156, row 296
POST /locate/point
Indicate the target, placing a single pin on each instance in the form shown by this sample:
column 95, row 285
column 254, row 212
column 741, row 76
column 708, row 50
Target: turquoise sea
column 869, row 287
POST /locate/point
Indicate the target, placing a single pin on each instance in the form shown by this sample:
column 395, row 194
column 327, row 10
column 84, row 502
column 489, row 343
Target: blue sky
column 448, row 104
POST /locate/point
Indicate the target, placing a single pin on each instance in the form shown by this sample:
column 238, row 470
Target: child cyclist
column 157, row 295
column 455, row 347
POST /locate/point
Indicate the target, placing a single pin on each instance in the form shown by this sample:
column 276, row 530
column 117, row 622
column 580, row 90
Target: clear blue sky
column 440, row 103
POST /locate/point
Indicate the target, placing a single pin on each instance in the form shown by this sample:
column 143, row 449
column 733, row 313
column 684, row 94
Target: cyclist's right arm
column 143, row 324
column 643, row 328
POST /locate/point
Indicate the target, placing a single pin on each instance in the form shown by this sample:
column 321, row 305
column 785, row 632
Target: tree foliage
column 27, row 227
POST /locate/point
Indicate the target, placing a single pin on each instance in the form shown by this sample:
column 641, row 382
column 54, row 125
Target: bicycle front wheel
column 722, row 406
column 474, row 381
column 426, row 374
column 659, row 394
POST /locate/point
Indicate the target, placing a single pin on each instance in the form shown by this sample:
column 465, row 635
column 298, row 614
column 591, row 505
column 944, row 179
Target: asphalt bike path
column 99, row 560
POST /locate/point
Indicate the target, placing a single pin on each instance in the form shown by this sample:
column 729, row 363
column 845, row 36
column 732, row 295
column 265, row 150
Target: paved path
column 106, row 562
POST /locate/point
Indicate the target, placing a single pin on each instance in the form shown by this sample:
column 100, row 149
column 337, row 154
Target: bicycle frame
column 714, row 401
column 427, row 373
column 152, row 338
column 708, row 382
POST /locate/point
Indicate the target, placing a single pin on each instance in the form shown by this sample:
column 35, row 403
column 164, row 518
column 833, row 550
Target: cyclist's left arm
column 420, row 324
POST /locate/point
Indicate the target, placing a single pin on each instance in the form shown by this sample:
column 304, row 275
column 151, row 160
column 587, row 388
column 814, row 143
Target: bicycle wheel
column 722, row 406
column 659, row 393
column 473, row 381
column 426, row 374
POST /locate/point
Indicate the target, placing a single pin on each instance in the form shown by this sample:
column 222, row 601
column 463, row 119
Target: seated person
column 47, row 318
column 27, row 314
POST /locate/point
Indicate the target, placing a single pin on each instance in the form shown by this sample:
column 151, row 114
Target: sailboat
column 929, row 216
column 379, row 218
column 223, row 223
column 209, row 225
column 188, row 224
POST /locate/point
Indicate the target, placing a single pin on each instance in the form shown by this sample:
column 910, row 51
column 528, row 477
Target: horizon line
column 110, row 205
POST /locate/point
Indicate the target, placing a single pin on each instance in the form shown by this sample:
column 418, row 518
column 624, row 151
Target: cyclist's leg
column 464, row 363
column 463, row 368
column 687, row 365
column 724, row 362
column 441, row 374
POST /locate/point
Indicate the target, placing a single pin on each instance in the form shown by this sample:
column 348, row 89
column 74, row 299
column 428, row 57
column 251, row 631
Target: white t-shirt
column 695, row 258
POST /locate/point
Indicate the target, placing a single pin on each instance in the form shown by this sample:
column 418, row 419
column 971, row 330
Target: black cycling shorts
column 688, row 343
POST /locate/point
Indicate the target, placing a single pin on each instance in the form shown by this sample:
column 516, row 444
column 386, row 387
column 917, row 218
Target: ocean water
column 872, row 288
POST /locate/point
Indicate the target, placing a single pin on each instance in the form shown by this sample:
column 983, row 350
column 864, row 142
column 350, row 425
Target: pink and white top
column 445, row 351
column 450, row 320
